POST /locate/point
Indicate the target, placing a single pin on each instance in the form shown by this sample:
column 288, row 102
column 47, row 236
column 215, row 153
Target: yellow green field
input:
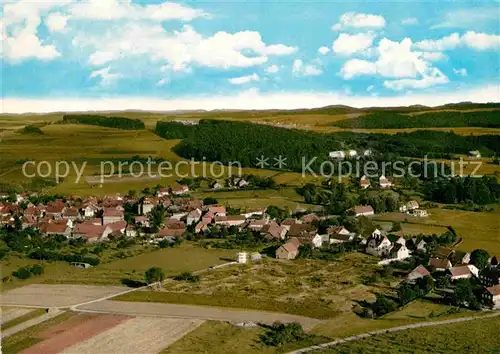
column 477, row 336
column 173, row 261
column 478, row 229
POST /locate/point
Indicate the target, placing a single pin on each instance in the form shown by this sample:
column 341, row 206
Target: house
column 201, row 227
column 492, row 294
column 490, row 277
column 141, row 220
column 378, row 245
column 90, row 210
column 241, row 182
column 364, row 182
column 55, row 209
column 363, row 210
column 418, row 272
column 289, row 250
column 460, row 272
column 253, row 212
column 399, row 252
column 494, row 262
column 475, row 154
column 256, row 257
column 257, row 225
column 193, row 216
column 352, row 153
column 439, row 265
column 147, row 205
column 111, row 215
column 412, row 205
column 314, row 240
column 162, row 192
column 309, row 218
column 232, row 220
column 92, row 233
column 242, row 257
column 130, row 231
column 336, row 155
column 171, row 232
column 299, row 230
column 339, row 234
column 28, row 221
column 180, row 190
column 287, row 223
column 55, row 229
column 118, row 226
column 367, row 152
column 274, row 231
column 71, row 214
column 384, row 182
column 217, row 210
column 216, row 185
column 420, row 246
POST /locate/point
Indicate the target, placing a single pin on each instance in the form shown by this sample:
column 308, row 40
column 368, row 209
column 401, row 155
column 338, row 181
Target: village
column 172, row 215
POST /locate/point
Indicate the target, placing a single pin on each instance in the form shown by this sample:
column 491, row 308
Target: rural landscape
column 181, row 177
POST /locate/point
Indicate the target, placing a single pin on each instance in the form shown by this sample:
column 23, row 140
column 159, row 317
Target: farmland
column 478, row 336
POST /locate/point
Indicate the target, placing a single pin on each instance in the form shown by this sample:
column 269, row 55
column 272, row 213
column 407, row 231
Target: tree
column 383, row 305
column 406, row 294
column 154, row 275
column 479, row 258
column 281, row 333
column 209, row 201
column 463, row 295
column 396, row 226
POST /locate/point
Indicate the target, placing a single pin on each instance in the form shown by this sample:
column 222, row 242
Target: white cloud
column 370, row 88
column 100, row 58
column 323, row 50
column 434, row 77
column 460, row 72
column 244, row 79
column 56, row 22
column 106, row 77
column 356, row 67
column 432, row 56
column 449, row 42
column 474, row 40
column 162, row 82
column 359, row 20
column 481, row 41
column 348, row 44
column 249, row 99
column 125, row 9
column 272, row 69
column 409, row 21
column 396, row 60
column 300, row 69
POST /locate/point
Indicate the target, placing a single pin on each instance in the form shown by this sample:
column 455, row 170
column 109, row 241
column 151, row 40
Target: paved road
column 388, row 330
column 34, row 321
column 190, row 311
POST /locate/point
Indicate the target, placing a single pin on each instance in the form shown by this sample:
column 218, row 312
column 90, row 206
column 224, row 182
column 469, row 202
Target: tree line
column 103, row 121
column 443, row 119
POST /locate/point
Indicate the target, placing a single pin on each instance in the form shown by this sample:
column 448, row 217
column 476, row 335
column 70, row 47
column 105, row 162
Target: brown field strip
column 67, row 334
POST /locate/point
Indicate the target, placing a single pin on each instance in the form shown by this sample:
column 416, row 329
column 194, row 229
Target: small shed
column 242, row 257
column 256, row 257
column 80, row 265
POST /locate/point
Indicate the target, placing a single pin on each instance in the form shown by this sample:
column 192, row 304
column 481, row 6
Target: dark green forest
column 228, row 141
column 110, row 122
column 173, row 130
column 394, row 120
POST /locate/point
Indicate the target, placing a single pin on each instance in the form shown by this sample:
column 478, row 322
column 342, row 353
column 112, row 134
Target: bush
column 36, row 269
column 31, row 129
column 281, row 333
column 209, row 201
column 22, row 273
column 186, row 276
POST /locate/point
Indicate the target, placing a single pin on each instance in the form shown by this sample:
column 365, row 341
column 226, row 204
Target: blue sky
column 111, row 54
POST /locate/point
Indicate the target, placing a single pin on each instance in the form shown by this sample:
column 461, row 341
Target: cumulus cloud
column 468, row 18
column 244, row 79
column 348, row 44
column 397, row 61
column 432, row 56
column 56, row 22
column 460, row 72
column 474, row 40
column 323, row 50
column 359, row 20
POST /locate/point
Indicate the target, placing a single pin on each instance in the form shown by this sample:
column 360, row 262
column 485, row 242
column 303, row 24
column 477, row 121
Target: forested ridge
column 227, row 141
column 395, row 120
column 103, row 121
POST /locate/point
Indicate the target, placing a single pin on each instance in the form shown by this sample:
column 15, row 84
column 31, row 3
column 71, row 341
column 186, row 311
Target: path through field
column 34, row 321
column 13, row 313
column 133, row 308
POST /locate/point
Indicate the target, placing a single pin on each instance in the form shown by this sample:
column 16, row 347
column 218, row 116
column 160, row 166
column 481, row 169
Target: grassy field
column 173, row 261
column 21, row 319
column 93, row 145
column 16, row 343
column 478, row 229
column 219, row 337
column 304, row 287
column 478, row 336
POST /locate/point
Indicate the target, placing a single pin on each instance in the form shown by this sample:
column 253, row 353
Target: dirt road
column 34, row 321
column 194, row 312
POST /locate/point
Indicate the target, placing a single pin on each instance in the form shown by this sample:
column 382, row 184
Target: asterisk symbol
column 280, row 161
column 262, row 161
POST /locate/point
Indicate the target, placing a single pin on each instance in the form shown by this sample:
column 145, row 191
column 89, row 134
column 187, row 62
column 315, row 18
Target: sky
column 73, row 55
